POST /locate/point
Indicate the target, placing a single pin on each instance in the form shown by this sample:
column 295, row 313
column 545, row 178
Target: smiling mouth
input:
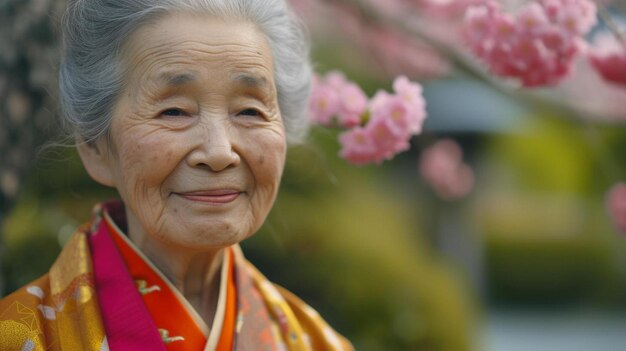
column 213, row 197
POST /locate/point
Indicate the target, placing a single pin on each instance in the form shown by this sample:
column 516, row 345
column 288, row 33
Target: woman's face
column 197, row 143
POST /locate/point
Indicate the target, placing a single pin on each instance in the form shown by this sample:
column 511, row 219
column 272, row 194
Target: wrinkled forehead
column 175, row 78
column 181, row 48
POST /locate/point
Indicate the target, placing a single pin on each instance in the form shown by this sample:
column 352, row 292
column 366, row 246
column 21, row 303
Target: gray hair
column 94, row 31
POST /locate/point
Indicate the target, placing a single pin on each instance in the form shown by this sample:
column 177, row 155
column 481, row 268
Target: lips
column 217, row 196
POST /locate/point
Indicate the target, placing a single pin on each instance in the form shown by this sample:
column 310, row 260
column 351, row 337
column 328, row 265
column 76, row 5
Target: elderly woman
column 185, row 107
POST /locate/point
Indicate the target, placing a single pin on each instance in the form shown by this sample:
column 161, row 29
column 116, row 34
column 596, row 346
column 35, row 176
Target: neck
column 195, row 273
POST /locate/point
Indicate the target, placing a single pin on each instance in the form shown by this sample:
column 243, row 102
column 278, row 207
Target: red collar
column 180, row 326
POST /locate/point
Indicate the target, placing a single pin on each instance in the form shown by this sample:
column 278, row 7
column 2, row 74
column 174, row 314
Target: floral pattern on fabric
column 61, row 312
column 55, row 312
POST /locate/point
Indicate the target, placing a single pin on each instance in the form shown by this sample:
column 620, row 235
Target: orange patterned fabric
column 60, row 311
column 226, row 340
column 178, row 325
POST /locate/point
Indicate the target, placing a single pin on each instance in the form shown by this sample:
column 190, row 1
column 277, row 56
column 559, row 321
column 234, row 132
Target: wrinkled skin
column 199, row 113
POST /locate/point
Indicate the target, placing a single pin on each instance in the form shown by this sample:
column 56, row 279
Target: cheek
column 267, row 166
column 145, row 159
column 269, row 158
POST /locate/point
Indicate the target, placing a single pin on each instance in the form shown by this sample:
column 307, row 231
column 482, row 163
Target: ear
column 96, row 161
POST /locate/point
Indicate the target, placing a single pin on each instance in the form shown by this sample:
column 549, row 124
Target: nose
column 214, row 150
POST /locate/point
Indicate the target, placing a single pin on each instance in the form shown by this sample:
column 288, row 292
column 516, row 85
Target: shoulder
column 21, row 316
column 315, row 326
column 297, row 316
column 30, row 294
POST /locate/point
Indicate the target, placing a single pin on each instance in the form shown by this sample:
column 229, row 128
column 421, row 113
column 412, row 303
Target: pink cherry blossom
column 526, row 49
column 358, row 147
column 478, row 24
column 411, row 94
column 336, row 100
column 532, row 19
column 388, row 137
column 352, row 105
column 409, row 91
column 335, row 79
column 323, row 104
column 554, row 38
column 608, row 58
column 441, row 166
column 616, row 206
column 406, row 118
column 396, row 118
column 379, row 100
column 576, row 16
column 504, row 28
column 394, row 112
column 379, row 128
column 380, row 139
column 537, row 45
column 552, row 8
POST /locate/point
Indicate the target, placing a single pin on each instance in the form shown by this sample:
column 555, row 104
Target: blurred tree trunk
column 28, row 90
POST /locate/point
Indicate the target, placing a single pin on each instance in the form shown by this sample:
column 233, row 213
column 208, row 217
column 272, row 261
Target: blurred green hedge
column 548, row 238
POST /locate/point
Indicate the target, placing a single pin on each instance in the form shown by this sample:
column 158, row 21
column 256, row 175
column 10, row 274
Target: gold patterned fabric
column 60, row 311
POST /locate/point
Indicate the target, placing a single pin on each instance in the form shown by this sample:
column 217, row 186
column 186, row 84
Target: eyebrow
column 176, row 79
column 251, row 81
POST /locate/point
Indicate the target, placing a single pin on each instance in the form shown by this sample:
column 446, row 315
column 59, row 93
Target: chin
column 210, row 239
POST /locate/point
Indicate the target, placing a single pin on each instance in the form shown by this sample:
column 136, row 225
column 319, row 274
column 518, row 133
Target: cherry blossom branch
column 375, row 129
column 370, row 14
column 610, row 23
column 458, row 58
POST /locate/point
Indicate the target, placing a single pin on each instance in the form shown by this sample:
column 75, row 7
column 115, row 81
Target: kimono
column 102, row 294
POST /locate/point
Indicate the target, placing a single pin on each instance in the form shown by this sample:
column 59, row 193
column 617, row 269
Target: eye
column 250, row 112
column 174, row 112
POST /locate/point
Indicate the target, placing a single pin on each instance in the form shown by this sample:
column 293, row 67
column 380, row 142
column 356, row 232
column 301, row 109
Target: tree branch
column 460, row 60
column 610, row 23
